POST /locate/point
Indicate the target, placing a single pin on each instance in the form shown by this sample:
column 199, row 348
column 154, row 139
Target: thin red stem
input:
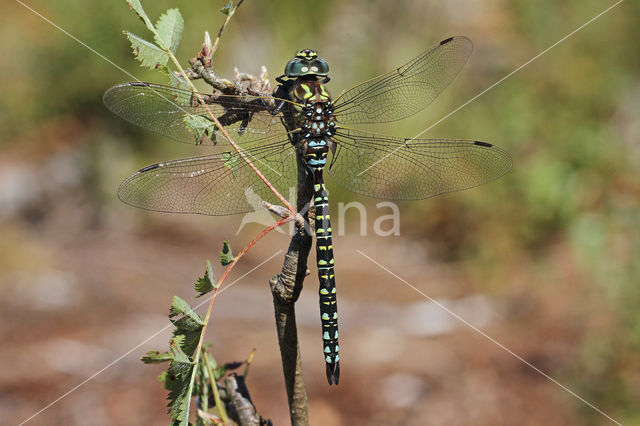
column 246, row 159
column 226, row 273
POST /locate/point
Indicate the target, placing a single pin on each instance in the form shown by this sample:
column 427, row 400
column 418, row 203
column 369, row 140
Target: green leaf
column 188, row 324
column 180, row 307
column 136, row 6
column 155, row 357
column 149, row 55
column 201, row 127
column 200, row 386
column 178, row 355
column 226, row 257
column 226, row 9
column 205, row 283
column 231, row 162
column 177, row 381
column 169, row 29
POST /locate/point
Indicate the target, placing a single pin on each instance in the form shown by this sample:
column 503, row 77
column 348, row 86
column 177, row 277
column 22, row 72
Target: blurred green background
column 551, row 250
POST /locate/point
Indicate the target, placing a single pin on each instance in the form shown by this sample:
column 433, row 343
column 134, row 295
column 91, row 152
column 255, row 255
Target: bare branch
column 286, row 288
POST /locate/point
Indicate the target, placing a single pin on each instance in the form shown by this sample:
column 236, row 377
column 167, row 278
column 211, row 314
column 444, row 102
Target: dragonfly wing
column 407, row 89
column 166, row 110
column 404, row 169
column 216, row 185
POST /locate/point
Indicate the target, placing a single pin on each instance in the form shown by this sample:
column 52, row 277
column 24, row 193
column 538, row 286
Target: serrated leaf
column 178, row 355
column 169, row 29
column 177, row 381
column 230, row 161
column 226, row 9
column 155, row 357
column 202, row 286
column 149, row 55
column 201, row 127
column 226, row 257
column 181, row 307
column 188, row 325
column 200, row 385
column 205, row 283
column 136, row 6
column 191, row 332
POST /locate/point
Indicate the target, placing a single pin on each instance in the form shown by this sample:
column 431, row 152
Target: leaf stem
column 224, row 25
column 214, row 388
column 248, row 364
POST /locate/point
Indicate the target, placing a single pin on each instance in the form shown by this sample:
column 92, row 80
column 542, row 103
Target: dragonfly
column 300, row 118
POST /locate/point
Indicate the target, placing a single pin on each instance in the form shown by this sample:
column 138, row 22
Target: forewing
column 218, row 184
column 166, row 110
column 403, row 169
column 407, row 89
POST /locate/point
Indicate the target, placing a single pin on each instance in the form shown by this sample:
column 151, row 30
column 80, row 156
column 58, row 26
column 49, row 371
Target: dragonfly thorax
column 313, row 101
column 317, row 120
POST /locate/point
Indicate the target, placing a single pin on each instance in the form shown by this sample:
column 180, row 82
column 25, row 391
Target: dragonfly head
column 306, row 62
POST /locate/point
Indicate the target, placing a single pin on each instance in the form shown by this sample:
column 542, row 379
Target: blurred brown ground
column 545, row 260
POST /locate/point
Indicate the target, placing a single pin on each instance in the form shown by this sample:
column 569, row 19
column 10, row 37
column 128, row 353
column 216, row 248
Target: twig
column 224, row 25
column 286, row 288
column 283, row 212
column 248, row 364
column 241, row 402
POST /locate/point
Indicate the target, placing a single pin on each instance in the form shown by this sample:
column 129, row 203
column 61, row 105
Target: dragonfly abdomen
column 315, row 156
column 326, row 276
